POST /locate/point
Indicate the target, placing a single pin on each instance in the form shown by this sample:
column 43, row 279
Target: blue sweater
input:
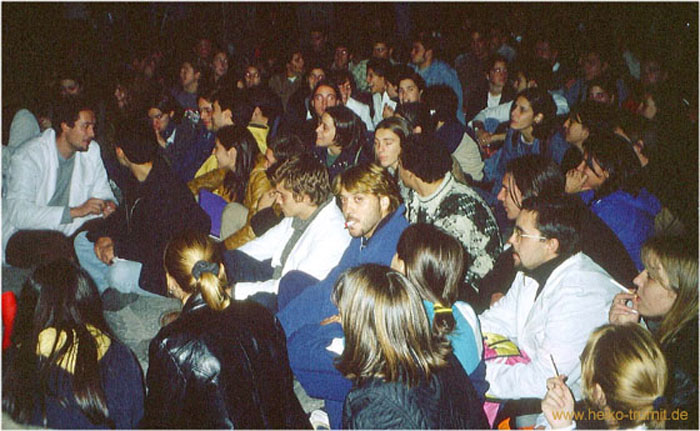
column 314, row 303
column 440, row 73
column 630, row 217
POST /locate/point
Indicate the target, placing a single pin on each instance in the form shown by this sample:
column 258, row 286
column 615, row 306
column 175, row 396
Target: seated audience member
column 558, row 297
column 310, row 239
column 345, row 82
column 536, row 175
column 299, row 105
column 532, row 122
column 594, row 65
column 124, row 251
column 584, row 120
column 387, row 142
column 436, row 198
column 219, row 68
column 608, row 180
column 434, row 71
column 667, row 300
column 434, row 262
column 324, row 96
column 260, row 195
column 452, row 133
column 382, row 48
column 622, row 370
column 252, row 76
column 288, row 82
column 185, row 93
column 498, row 90
column 66, row 369
column 411, row 86
column 602, row 90
column 340, row 140
column 265, row 109
column 377, row 71
column 403, row 376
column 56, row 182
column 221, row 363
column 236, row 153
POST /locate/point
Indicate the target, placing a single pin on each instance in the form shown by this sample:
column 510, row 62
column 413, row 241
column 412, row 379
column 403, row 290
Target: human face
column 654, row 296
column 478, row 44
column 498, row 75
column 315, row 76
column 324, row 98
column 341, row 57
column 121, row 96
column 510, row 196
column 531, row 251
column 520, row 83
column 296, row 65
column 317, row 40
column 187, row 75
column 595, row 176
column 205, row 113
column 325, row 132
column 380, row 50
column 574, row 132
column 226, row 158
column 345, row 91
column 377, row 84
column 252, row 77
column 69, row 87
column 362, row 211
column 543, row 50
column 418, row 54
column 592, row 66
column 521, row 116
column 599, row 95
column 269, row 158
column 647, row 108
column 651, row 73
column 203, row 48
column 387, row 147
column 218, row 117
column 159, row 119
column 80, row 135
column 409, row 91
column 285, row 199
column 220, row 64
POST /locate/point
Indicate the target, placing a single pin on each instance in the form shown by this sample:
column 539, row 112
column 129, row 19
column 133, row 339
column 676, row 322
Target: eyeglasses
column 157, row 116
column 499, row 70
column 519, row 235
column 252, row 75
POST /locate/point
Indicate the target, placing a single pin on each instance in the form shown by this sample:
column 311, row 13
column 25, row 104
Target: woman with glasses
column 497, row 91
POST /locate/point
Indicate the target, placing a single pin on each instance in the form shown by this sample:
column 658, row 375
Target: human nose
column 639, row 279
column 513, row 238
column 501, row 194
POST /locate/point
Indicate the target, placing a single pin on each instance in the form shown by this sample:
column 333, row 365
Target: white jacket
column 31, row 184
column 317, row 251
column 574, row 301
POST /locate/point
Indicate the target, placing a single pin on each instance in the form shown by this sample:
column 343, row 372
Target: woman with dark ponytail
column 67, row 369
column 433, row 261
column 222, row 363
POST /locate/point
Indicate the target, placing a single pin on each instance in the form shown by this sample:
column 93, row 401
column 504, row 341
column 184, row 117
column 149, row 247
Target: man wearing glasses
column 558, row 297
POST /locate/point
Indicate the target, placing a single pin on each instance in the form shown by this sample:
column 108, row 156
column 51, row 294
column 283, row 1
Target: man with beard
column 558, row 297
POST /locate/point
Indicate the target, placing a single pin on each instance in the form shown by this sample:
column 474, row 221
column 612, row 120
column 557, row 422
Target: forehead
column 186, row 65
column 204, row 103
column 526, row 221
column 87, row 116
column 316, row 71
column 251, row 69
column 417, row 45
column 220, row 56
column 67, row 83
column 345, row 193
column 521, row 101
column 408, row 82
column 385, row 134
column 379, row 45
column 324, row 91
column 499, row 63
column 296, row 56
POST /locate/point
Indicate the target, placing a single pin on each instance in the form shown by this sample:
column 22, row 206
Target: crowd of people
column 420, row 241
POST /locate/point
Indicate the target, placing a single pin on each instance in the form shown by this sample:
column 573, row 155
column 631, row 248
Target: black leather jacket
column 682, row 390
column 215, row 370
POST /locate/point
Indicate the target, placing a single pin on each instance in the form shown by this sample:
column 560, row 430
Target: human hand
column 387, row 111
column 104, row 250
column 575, row 181
column 483, row 137
column 108, row 209
column 620, row 313
column 558, row 403
column 267, row 199
column 90, row 206
column 160, row 139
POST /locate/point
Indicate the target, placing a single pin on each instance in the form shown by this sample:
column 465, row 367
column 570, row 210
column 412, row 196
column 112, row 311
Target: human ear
column 538, row 118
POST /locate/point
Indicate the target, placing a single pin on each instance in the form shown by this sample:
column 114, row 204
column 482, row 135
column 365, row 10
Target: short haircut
column 408, row 73
column 395, row 71
column 617, row 157
column 349, row 128
column 303, row 175
column 557, row 217
column 194, row 62
column 227, row 99
column 338, row 77
column 492, row 60
column 369, row 178
column 288, row 53
column 595, row 116
column 426, row 157
column 607, row 83
column 138, row 142
column 428, row 42
column 534, row 69
column 417, row 114
column 285, row 146
column 67, row 109
column 264, row 98
column 163, row 102
column 380, row 66
column 327, row 83
column 536, row 175
column 443, row 100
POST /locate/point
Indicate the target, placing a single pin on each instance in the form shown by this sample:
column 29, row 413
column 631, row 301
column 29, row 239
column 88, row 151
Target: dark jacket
column 192, row 146
column 221, row 370
column 347, row 158
column 682, row 391
column 446, row 401
column 478, row 100
column 153, row 212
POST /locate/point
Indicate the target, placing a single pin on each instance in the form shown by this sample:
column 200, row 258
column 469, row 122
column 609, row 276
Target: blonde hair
column 181, row 255
column 369, row 178
column 631, row 370
column 387, row 334
column 677, row 270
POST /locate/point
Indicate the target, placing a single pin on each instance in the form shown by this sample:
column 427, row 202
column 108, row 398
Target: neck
column 290, row 73
column 141, row 171
column 426, row 64
column 527, row 135
column 334, row 150
column 495, row 90
column 64, row 148
column 185, row 297
column 308, row 211
column 191, row 87
column 426, row 189
column 369, row 234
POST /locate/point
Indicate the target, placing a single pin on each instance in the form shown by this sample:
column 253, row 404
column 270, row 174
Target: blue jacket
column 314, row 303
column 630, row 217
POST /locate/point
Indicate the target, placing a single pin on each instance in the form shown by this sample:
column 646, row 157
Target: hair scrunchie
column 203, row 266
column 439, row 308
column 659, row 402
